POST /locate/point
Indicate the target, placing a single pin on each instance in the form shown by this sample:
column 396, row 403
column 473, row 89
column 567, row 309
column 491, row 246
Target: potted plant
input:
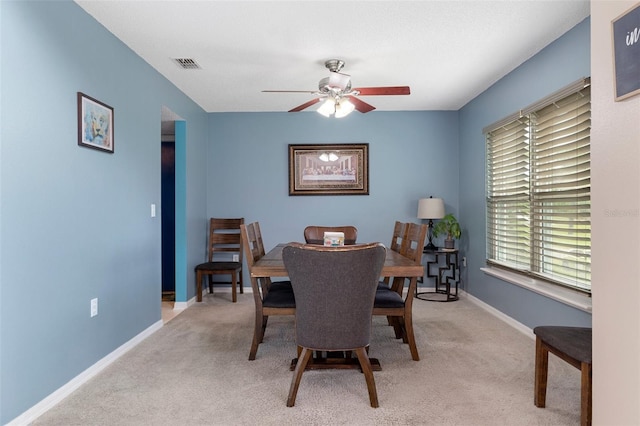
column 450, row 227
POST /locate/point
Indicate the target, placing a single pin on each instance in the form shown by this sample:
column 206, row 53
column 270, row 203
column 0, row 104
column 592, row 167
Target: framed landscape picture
column 341, row 169
column 95, row 124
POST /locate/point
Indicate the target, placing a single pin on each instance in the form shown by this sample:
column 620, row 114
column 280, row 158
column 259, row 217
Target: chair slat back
column 252, row 243
column 399, row 231
column 413, row 243
column 399, row 235
column 224, row 237
column 315, row 234
column 334, row 290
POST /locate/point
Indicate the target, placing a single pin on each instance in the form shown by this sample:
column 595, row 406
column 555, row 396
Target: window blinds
column 538, row 191
column 508, row 211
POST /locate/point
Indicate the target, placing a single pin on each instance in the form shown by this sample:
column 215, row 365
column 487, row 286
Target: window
column 539, row 189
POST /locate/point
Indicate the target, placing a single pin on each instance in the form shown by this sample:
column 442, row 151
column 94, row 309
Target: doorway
column 173, row 208
column 168, row 218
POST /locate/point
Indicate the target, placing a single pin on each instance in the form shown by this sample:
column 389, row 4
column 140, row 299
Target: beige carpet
column 474, row 370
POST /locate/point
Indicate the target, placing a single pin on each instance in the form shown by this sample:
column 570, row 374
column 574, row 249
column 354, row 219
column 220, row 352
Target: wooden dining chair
column 270, row 298
column 334, row 289
column 315, row 234
column 399, row 234
column 224, row 242
column 392, row 301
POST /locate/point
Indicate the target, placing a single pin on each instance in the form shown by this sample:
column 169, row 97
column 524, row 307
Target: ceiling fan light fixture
column 341, row 98
column 344, row 107
column 328, row 107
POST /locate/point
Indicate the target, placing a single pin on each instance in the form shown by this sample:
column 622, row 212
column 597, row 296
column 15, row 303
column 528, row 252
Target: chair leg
column 585, row 394
column 198, row 286
column 234, row 297
column 210, row 283
column 265, row 319
column 397, row 328
column 365, row 364
column 541, row 368
column 240, row 282
column 403, row 330
column 258, row 332
column 411, row 340
column 303, row 359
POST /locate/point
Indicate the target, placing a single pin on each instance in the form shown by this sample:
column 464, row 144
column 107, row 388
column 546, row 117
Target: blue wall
column 562, row 62
column 75, row 222
column 411, row 155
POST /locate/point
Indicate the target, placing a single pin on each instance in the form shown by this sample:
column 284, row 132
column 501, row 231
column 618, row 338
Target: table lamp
column 430, row 208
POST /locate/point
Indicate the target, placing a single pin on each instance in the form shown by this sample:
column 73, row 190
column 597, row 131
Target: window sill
column 563, row 295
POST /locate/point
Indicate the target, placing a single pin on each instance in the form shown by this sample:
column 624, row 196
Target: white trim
column 500, row 315
column 569, row 297
column 61, row 393
column 181, row 306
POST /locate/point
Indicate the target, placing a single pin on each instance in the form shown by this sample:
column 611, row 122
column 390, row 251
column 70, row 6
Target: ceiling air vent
column 187, row 63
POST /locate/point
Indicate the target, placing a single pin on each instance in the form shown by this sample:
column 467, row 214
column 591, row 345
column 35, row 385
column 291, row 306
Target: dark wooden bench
column 573, row 345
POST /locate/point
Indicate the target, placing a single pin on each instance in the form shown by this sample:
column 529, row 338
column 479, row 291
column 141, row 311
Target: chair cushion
column 573, row 341
column 387, row 298
column 218, row 266
column 280, row 298
column 281, row 286
column 382, row 285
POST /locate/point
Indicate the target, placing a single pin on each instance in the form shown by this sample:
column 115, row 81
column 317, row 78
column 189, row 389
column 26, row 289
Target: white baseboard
column 493, row 311
column 181, row 306
column 47, row 403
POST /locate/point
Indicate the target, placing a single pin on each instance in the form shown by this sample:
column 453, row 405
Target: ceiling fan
column 340, row 98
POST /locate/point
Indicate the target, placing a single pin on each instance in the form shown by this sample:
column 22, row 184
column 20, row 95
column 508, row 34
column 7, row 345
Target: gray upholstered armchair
column 334, row 289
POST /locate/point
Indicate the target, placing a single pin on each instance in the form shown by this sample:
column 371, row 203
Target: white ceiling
column 448, row 52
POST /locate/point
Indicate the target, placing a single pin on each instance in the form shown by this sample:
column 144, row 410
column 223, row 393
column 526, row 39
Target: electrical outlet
column 94, row 307
column 464, row 261
column 236, row 258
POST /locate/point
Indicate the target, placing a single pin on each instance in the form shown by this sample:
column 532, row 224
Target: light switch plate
column 94, row 307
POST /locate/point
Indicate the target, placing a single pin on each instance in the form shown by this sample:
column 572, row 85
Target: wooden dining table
column 395, row 265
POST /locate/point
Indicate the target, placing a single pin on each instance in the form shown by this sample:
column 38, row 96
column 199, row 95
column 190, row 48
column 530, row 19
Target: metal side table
column 442, row 265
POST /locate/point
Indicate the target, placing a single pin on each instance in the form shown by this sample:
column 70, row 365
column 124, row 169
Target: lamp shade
column 328, row 107
column 344, row 108
column 430, row 208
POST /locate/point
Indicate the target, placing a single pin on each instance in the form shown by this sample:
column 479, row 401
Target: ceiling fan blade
column 305, row 105
column 361, row 105
column 290, row 91
column 391, row 90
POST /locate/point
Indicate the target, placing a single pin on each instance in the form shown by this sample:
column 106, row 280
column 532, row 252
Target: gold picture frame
column 329, row 169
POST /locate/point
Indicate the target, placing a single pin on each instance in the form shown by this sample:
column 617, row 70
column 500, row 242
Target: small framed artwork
column 625, row 31
column 341, row 169
column 95, row 124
